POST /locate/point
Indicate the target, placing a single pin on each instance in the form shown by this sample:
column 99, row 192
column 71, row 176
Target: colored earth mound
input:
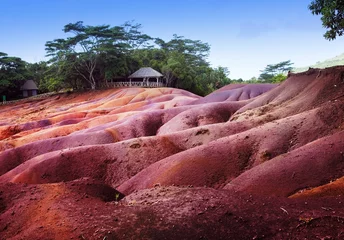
column 248, row 161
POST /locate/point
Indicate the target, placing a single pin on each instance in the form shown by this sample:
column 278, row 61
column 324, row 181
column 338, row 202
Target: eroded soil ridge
column 248, row 161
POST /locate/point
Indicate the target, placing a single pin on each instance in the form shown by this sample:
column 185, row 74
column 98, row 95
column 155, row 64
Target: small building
column 29, row 88
column 144, row 77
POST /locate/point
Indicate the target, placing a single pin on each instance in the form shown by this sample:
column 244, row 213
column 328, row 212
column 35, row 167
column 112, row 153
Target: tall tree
column 82, row 50
column 332, row 16
column 12, row 73
column 94, row 45
column 211, row 79
column 96, row 54
column 37, row 72
column 185, row 60
column 272, row 70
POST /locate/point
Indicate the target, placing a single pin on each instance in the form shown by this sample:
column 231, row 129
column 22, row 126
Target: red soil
column 245, row 162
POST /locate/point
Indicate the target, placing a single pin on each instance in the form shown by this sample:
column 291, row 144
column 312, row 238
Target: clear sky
column 245, row 35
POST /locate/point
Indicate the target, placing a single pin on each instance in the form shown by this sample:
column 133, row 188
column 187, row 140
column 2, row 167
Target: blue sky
column 244, row 36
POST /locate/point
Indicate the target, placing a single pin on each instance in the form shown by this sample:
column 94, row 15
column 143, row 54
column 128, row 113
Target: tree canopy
column 332, row 16
column 93, row 49
column 275, row 73
column 96, row 54
column 91, row 57
column 12, row 73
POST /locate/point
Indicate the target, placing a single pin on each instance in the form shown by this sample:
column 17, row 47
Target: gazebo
column 29, row 88
column 146, row 77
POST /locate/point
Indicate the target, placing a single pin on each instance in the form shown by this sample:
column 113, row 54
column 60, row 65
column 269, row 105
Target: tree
column 61, row 75
column 37, row 72
column 278, row 78
column 96, row 54
column 211, row 79
column 12, row 73
column 172, row 69
column 219, row 76
column 253, row 80
column 185, row 61
column 272, row 70
column 82, row 50
column 332, row 16
column 120, row 60
column 93, row 51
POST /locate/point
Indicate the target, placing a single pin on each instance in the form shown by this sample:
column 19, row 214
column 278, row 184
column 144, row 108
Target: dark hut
column 29, row 88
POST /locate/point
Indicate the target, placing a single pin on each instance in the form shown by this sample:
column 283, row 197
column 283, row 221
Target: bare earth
column 255, row 161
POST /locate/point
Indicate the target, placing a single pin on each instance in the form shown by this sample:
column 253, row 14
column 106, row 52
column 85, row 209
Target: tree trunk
column 169, row 78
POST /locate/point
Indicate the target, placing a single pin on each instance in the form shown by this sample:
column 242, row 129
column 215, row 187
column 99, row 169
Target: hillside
column 249, row 161
column 336, row 61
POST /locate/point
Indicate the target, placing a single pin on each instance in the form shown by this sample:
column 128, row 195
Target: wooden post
column 130, row 82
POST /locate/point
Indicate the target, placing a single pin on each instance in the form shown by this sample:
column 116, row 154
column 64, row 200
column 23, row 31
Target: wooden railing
column 139, row 84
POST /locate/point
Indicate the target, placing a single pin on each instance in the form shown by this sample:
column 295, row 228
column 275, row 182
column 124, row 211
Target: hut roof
column 29, row 85
column 145, row 72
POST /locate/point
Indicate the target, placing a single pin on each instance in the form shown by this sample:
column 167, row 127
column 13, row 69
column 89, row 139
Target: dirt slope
column 245, row 162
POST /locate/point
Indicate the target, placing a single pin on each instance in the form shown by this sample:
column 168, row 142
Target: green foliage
column 184, row 65
column 61, row 75
column 278, row 78
column 52, row 84
column 266, row 77
column 278, row 68
column 332, row 16
column 37, row 72
column 13, row 72
column 212, row 79
column 274, row 73
column 253, row 80
column 96, row 54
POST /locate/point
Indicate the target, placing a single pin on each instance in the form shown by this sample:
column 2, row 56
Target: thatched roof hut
column 146, row 77
column 29, row 88
column 145, row 72
column 29, row 85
